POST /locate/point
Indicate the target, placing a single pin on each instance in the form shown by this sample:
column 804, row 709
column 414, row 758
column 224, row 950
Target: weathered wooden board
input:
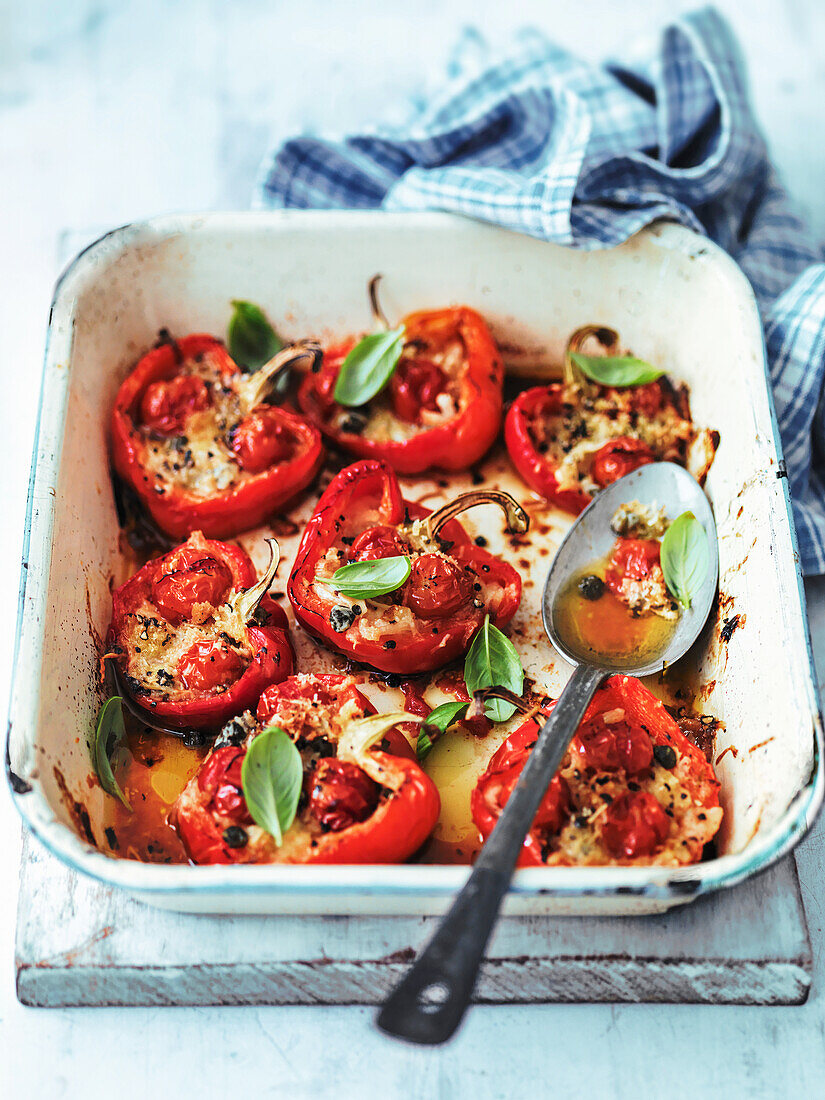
column 79, row 943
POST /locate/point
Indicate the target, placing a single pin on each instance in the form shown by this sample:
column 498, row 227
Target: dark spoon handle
column 430, row 1001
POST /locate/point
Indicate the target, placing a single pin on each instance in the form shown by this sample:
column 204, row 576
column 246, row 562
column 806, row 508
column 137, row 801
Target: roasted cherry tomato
column 167, row 405
column 631, row 558
column 262, row 440
column 635, row 825
column 469, row 378
column 610, row 747
column 208, row 665
column 414, row 386
column 381, row 541
column 341, row 794
column 619, row 457
column 220, row 778
column 438, row 588
column 188, row 578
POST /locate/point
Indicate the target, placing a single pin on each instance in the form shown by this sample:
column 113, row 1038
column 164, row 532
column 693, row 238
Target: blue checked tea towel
column 545, row 144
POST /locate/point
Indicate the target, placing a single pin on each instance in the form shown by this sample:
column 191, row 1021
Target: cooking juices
column 602, row 628
column 620, row 611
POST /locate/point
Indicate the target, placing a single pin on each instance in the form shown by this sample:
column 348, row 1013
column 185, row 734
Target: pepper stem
column 607, row 337
column 476, row 707
column 246, row 602
column 517, row 519
column 378, row 314
column 254, row 390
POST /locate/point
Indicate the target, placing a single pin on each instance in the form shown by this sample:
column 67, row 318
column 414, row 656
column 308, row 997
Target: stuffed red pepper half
column 360, row 795
column 441, row 583
column 441, row 406
column 631, row 789
column 195, row 637
column 196, row 440
column 569, row 439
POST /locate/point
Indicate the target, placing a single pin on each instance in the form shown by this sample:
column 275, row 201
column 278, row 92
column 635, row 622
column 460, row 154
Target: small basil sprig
column 271, row 777
column 616, row 370
column 492, row 661
column 685, row 557
column 110, row 736
column 251, row 340
column 444, row 716
column 369, row 367
column 363, row 579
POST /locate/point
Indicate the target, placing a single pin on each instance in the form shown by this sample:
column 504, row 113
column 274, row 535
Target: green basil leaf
column 110, row 735
column 442, row 718
column 620, row 370
column 685, row 557
column 271, row 777
column 362, row 579
column 251, row 340
column 368, row 367
column 492, row 661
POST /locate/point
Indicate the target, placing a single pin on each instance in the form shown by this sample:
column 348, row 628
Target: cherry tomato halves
column 166, row 405
column 209, row 664
column 635, row 825
column 619, row 457
column 189, row 577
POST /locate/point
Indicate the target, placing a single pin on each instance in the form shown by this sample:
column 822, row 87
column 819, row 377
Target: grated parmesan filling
column 581, row 841
column 200, row 460
column 570, row 439
column 154, row 648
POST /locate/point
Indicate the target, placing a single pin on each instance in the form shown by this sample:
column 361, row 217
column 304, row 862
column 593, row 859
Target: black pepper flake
column 480, row 540
column 164, row 678
column 111, row 838
column 389, row 644
column 608, row 798
column 631, row 786
column 235, row 837
column 347, row 541
column 702, row 817
column 580, row 821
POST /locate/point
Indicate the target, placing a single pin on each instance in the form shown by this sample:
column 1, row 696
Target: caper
column 235, row 837
column 591, row 587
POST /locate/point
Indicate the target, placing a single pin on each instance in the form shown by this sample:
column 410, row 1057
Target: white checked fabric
column 545, row 144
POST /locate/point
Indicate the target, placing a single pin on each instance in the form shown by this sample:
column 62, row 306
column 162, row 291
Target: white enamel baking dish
column 675, row 299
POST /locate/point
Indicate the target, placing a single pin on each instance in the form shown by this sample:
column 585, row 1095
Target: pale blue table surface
column 115, row 111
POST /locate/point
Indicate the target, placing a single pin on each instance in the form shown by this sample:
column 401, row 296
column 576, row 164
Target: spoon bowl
column 430, row 1001
column 663, row 484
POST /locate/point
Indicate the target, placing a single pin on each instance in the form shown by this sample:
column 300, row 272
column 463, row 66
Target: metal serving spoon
column 430, row 1001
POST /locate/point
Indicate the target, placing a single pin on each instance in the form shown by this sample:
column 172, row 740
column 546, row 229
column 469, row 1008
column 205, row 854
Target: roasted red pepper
column 195, row 636
column 453, row 583
column 569, row 439
column 631, row 788
column 378, row 808
column 193, row 437
column 442, row 408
